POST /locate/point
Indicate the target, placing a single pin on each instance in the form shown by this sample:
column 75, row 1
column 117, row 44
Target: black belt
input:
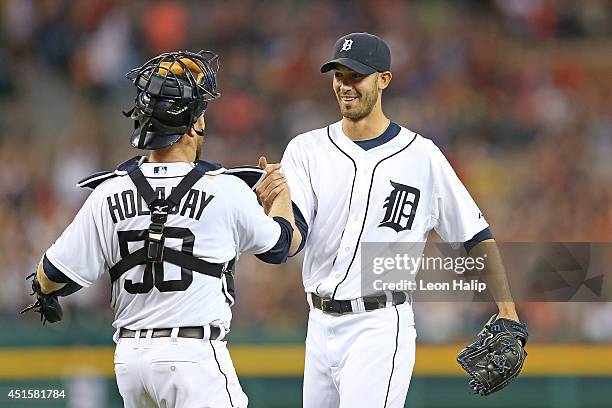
column 188, row 332
column 330, row 306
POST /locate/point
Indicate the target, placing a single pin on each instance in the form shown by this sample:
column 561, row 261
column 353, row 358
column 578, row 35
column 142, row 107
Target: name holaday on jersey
column 125, row 205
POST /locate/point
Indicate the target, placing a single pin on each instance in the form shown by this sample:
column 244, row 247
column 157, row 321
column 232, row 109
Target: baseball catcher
column 168, row 229
column 496, row 357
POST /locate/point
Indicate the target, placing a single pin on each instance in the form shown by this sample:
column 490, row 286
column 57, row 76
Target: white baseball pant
column 359, row 359
column 176, row 373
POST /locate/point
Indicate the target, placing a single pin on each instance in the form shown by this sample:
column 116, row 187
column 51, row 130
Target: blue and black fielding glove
column 496, row 357
column 48, row 306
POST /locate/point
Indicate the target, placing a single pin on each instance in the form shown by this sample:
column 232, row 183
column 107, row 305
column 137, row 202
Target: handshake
column 273, row 186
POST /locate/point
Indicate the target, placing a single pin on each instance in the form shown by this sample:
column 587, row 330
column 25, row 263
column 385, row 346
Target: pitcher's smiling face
column 357, row 94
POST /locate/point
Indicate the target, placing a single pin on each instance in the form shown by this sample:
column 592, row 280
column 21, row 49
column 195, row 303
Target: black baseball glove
column 496, row 357
column 48, row 306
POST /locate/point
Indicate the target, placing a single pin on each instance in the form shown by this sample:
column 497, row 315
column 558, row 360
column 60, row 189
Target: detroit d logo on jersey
column 401, row 207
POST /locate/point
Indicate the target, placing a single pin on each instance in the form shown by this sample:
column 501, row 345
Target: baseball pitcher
column 367, row 179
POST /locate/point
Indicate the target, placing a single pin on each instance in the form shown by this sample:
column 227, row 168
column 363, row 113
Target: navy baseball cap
column 362, row 52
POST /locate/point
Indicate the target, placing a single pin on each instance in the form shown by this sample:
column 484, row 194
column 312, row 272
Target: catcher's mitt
column 496, row 357
column 48, row 306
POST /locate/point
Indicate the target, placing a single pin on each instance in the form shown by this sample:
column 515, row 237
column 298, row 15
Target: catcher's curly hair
column 178, row 67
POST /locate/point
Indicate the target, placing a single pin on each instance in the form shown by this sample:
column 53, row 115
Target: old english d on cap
column 362, row 52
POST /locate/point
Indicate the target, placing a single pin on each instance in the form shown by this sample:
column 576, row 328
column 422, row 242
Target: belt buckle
column 326, row 305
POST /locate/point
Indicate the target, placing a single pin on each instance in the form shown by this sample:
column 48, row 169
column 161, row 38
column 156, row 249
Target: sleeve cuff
column 278, row 253
column 59, row 267
column 478, row 238
column 301, row 225
column 53, row 273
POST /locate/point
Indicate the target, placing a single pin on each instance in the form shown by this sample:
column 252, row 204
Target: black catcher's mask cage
column 169, row 103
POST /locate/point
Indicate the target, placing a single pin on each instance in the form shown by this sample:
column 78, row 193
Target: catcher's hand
column 48, row 306
column 496, row 357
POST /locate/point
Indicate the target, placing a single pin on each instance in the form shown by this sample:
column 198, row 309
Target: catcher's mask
column 173, row 90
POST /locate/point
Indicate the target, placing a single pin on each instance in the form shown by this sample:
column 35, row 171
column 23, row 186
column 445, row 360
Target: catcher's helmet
column 173, row 90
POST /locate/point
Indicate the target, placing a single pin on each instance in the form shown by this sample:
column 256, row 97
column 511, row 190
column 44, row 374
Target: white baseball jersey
column 395, row 192
column 219, row 218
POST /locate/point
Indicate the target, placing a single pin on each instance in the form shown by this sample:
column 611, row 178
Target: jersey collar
column 208, row 167
column 390, row 132
column 339, row 138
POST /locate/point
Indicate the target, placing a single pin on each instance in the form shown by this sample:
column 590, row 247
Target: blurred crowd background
column 517, row 93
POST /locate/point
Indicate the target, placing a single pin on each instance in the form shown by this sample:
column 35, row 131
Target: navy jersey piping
column 352, row 185
column 366, row 213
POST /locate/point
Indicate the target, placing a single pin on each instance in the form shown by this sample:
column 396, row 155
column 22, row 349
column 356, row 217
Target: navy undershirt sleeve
column 301, row 225
column 279, row 252
column 476, row 239
column 53, row 273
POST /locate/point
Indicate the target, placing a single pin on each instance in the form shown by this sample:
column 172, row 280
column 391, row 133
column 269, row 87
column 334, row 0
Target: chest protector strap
column 154, row 250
